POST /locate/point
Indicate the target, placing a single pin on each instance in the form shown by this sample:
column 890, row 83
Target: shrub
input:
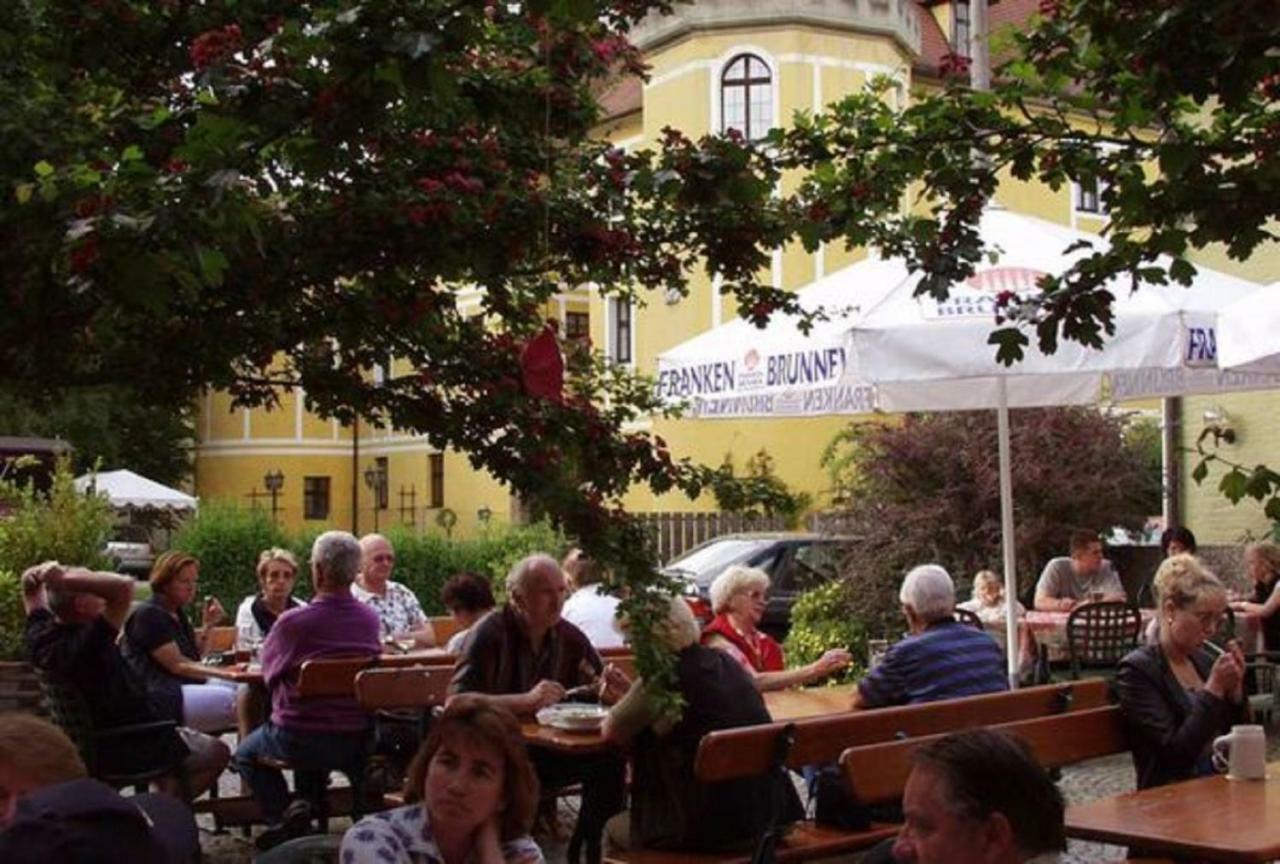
column 820, row 621
column 63, row 525
column 227, row 538
column 12, row 619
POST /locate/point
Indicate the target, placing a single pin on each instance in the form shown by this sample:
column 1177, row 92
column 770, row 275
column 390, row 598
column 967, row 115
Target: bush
column 64, row 525
column 227, row 538
column 12, row 619
column 820, row 621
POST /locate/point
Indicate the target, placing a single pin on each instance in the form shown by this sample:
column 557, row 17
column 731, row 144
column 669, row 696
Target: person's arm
column 1262, row 610
column 629, row 716
column 1047, row 591
column 212, row 615
column 115, row 590
column 176, row 663
column 424, row 635
column 832, row 661
column 541, row 695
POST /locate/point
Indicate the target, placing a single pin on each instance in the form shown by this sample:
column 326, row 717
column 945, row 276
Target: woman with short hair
column 164, row 649
column 277, row 574
column 1175, row 696
column 471, row 792
column 738, row 602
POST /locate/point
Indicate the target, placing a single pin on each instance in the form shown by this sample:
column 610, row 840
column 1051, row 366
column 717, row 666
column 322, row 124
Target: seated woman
column 989, row 605
column 164, row 650
column 468, row 597
column 1175, row 698
column 669, row 809
column 277, row 573
column 1262, row 564
column 738, row 601
column 472, row 794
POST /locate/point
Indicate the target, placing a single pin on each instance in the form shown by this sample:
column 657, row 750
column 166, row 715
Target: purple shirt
column 333, row 625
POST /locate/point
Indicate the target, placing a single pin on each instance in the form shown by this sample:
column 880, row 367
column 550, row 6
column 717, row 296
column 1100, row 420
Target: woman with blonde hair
column 471, row 794
column 277, row 573
column 1262, row 564
column 164, row 649
column 1176, row 697
column 738, row 602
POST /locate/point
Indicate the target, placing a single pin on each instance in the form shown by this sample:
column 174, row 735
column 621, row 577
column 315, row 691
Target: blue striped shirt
column 947, row 660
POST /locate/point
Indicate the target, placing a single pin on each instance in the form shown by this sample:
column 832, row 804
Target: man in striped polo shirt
column 940, row 658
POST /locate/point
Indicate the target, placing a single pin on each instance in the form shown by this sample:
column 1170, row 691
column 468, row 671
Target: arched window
column 746, row 96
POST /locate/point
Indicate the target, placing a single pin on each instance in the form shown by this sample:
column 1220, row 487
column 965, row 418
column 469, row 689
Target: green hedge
column 821, row 620
column 12, row 620
column 227, row 539
column 63, row 526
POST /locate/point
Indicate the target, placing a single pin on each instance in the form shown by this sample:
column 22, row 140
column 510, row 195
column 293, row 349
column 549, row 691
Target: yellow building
column 715, row 65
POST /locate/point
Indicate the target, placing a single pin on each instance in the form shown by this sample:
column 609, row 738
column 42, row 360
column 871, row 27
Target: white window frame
column 611, row 305
column 717, row 73
column 1077, row 195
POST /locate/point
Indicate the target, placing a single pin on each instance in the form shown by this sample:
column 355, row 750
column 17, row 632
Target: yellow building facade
column 715, row 64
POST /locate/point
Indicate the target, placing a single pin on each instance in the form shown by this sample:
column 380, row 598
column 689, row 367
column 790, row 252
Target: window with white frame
column 1089, row 196
column 746, row 96
column 960, row 27
column 619, row 330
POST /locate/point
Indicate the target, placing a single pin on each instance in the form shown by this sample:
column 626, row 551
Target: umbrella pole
column 1006, row 537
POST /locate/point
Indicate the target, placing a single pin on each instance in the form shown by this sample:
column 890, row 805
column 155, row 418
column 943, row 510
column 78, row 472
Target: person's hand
column 43, row 575
column 614, row 684
column 214, row 614
column 1227, row 675
column 545, row 693
column 832, row 661
column 488, row 842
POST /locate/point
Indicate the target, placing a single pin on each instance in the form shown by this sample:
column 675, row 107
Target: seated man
column 398, row 609
column 979, row 796
column 1086, row 575
column 941, row 658
column 329, row 733
column 589, row 607
column 51, row 811
column 524, row 657
column 73, row 620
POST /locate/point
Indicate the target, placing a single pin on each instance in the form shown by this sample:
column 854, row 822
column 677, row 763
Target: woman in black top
column 164, row 649
column 1176, row 699
column 1262, row 563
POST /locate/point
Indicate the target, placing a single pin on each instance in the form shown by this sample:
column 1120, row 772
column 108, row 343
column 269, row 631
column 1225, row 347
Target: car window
column 714, row 557
column 808, row 565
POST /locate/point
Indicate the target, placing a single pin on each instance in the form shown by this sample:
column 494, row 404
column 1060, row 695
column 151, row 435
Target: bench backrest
column 878, row 772
column 336, row 676
column 748, row 751
column 420, row 687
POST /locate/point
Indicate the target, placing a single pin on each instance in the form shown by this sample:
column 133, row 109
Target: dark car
column 795, row 562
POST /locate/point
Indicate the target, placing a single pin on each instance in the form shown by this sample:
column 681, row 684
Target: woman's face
column 1190, row 625
column 181, row 590
column 277, row 580
column 989, row 592
column 464, row 784
column 747, row 606
column 1176, row 548
column 1256, row 567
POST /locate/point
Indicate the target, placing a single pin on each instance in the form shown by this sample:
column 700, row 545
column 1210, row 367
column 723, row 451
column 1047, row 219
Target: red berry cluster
column 214, row 46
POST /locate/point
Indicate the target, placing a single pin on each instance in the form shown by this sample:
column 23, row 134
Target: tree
column 111, row 426
column 927, row 490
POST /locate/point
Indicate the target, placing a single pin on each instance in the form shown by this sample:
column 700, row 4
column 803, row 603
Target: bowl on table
column 573, row 716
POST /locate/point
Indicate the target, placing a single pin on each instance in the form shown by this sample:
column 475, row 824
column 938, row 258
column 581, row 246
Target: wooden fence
column 675, row 533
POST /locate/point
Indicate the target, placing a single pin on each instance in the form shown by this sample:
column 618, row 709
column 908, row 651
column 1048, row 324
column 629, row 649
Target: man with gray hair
column 940, row 658
column 316, row 735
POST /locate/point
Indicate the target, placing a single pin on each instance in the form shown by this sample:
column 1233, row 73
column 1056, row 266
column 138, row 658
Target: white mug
column 1246, row 756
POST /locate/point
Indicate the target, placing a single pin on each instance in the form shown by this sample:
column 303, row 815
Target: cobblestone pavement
column 1085, row 782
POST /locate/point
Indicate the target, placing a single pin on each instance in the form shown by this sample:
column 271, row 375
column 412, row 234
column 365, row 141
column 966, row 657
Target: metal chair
column 964, row 616
column 1099, row 634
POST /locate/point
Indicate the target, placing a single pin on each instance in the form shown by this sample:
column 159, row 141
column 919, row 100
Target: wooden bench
column 751, row 751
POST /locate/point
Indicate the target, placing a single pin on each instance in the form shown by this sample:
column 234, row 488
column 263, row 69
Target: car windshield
column 714, row 557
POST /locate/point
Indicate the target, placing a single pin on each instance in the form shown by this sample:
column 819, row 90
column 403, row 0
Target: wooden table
column 251, row 673
column 809, row 701
column 1211, row 818
column 237, row 673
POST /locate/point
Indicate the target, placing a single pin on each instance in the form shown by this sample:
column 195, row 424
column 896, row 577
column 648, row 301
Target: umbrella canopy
column 898, row 352
column 1249, row 333
column 124, row 488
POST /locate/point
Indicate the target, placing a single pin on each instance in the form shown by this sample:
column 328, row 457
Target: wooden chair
column 68, row 710
column 421, row 688
column 220, row 639
column 964, row 616
column 444, row 627
column 1100, row 634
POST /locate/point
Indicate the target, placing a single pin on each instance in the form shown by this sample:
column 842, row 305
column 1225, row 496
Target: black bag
column 834, row 802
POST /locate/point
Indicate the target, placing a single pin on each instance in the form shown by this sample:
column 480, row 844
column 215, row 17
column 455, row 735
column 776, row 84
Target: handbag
column 835, row 804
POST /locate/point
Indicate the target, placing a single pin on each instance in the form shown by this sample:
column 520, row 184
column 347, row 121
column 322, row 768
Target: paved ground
column 1085, row 782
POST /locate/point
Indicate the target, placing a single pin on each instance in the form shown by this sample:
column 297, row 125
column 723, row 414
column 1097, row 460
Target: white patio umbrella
column 903, row 353
column 1249, row 332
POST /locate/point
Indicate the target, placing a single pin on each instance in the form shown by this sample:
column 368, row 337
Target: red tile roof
column 620, row 97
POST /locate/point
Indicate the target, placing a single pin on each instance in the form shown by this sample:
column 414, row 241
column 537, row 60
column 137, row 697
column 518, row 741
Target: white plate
column 573, row 716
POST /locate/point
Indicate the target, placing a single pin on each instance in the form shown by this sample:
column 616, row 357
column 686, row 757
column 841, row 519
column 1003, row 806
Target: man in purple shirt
column 319, row 734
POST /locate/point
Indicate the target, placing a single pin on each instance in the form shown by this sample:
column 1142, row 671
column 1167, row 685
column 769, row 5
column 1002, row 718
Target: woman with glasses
column 1176, row 695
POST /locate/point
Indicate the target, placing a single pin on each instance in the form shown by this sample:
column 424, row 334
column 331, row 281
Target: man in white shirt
column 397, row 607
column 589, row 608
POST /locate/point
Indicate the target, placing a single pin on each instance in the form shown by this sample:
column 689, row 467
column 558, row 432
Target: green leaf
column 43, row 169
column 1201, row 471
column 213, row 265
column 1272, row 509
column 132, row 153
column 23, row 191
column 1234, row 485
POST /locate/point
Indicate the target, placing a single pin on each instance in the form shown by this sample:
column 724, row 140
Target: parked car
column 795, row 562
column 129, row 550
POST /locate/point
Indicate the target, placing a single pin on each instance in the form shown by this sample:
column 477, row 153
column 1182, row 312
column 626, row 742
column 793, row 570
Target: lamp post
column 376, row 479
column 484, row 514
column 274, row 481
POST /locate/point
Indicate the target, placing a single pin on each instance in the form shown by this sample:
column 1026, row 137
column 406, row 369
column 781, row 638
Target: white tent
column 1249, row 335
column 124, row 488
column 903, row 353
